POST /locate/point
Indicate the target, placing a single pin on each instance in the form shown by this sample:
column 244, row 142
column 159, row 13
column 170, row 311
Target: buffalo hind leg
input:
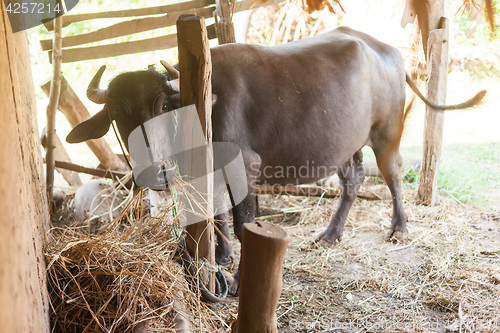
column 389, row 162
column 351, row 176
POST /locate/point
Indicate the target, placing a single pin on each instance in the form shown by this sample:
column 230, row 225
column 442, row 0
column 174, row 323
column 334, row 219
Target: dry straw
column 121, row 276
column 446, row 277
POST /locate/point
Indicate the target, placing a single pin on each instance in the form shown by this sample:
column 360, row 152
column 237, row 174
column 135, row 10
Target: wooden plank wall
column 144, row 19
column 24, row 216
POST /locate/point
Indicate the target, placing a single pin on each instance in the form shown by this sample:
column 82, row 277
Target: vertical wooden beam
column 24, row 217
column 75, row 112
column 60, row 154
column 55, row 90
column 223, row 21
column 195, row 67
column 437, row 65
column 263, row 248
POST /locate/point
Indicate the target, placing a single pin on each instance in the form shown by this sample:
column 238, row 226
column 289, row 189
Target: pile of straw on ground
column 120, row 277
column 446, row 277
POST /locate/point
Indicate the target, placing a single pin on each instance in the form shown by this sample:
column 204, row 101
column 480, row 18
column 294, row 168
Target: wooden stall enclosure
column 23, row 205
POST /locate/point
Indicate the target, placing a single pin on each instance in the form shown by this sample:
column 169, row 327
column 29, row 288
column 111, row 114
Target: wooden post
column 60, row 154
column 224, row 26
column 111, row 174
column 195, row 69
column 55, row 90
column 437, row 66
column 24, row 217
column 75, row 112
column 263, row 248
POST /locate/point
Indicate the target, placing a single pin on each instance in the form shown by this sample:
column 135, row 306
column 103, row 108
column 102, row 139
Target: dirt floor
column 445, row 278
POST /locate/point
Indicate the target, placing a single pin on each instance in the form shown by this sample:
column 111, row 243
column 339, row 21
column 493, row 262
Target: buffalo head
column 131, row 99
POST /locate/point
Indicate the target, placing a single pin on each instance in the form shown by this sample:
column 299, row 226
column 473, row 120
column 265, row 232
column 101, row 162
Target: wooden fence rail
column 148, row 22
column 157, row 10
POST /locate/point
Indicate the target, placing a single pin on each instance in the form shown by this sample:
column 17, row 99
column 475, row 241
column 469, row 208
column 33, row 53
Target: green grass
column 467, row 171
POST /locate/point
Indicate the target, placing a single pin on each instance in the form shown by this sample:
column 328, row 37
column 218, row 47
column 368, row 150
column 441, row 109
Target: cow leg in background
column 244, row 212
column 389, row 162
column 223, row 251
column 351, row 175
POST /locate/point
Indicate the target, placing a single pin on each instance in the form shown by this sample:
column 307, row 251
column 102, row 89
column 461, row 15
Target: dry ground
column 445, row 278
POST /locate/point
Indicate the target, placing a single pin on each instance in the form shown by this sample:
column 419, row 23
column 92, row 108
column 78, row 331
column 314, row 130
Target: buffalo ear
column 93, row 128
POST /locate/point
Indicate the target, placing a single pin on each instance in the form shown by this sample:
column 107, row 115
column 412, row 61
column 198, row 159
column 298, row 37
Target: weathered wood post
column 195, row 67
column 223, row 21
column 60, row 154
column 23, row 205
column 263, row 248
column 437, row 66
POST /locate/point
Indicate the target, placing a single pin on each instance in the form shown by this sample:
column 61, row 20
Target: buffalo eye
column 164, row 107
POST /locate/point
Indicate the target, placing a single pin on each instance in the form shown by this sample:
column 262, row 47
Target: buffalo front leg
column 223, row 251
column 244, row 212
column 389, row 162
column 351, row 176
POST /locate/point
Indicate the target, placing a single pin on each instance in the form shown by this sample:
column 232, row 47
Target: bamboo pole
column 55, row 90
column 75, row 112
column 60, row 154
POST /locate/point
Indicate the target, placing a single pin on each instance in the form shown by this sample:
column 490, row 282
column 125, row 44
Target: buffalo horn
column 95, row 94
column 174, row 73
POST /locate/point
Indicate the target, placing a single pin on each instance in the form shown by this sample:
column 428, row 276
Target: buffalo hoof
column 324, row 241
column 234, row 288
column 224, row 260
column 397, row 236
column 320, row 243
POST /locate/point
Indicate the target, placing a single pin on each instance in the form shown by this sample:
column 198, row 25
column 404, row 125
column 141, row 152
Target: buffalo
column 311, row 104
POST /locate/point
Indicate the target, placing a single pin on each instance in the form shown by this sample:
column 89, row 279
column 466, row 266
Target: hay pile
column 121, row 277
column 446, row 277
